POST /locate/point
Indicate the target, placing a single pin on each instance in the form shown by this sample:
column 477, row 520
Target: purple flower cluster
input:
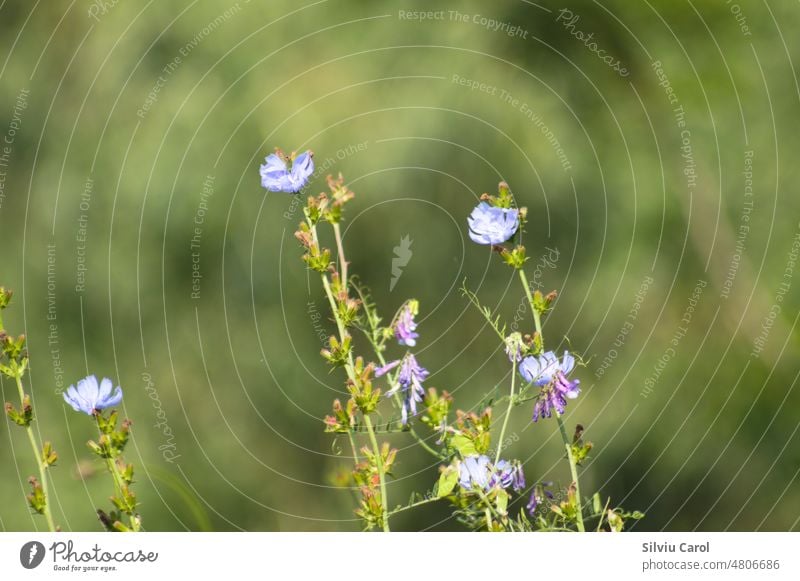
column 491, row 224
column 477, row 471
column 409, row 381
column 405, row 327
column 550, row 374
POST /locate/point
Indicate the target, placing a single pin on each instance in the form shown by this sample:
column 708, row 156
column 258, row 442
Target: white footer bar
column 400, row 556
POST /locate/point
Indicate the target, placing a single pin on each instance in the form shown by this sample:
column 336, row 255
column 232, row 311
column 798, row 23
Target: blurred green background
column 120, row 114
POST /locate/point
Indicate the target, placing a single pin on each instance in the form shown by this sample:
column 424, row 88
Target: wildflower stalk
column 573, row 467
column 415, row 504
column 508, row 411
column 337, row 232
column 489, row 509
column 37, row 455
column 420, row 440
column 537, row 320
column 353, row 445
column 14, row 365
column 352, row 376
column 379, row 354
column 121, row 488
column 381, row 472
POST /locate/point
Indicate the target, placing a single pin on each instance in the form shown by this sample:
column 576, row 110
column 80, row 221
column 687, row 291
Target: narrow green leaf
column 447, row 481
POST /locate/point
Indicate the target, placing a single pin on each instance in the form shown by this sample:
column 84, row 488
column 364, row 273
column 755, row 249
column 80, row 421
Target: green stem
column 537, row 320
column 112, row 469
column 37, row 454
column 416, row 436
column 353, row 446
column 603, row 515
column 489, row 510
column 119, row 484
column 573, row 467
column 473, row 299
column 508, row 411
column 349, row 367
column 337, row 232
column 379, row 461
column 414, row 505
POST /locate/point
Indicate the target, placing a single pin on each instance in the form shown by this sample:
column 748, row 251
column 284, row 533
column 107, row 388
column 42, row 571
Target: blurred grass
column 236, row 371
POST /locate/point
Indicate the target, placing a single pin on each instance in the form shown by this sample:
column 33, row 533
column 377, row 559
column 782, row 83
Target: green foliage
column 337, row 353
column 447, row 481
column 36, row 499
column 23, row 417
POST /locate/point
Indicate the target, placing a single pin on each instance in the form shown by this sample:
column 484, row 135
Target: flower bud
column 36, row 498
column 5, row 297
column 515, row 347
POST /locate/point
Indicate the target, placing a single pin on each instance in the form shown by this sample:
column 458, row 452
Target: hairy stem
column 37, row 454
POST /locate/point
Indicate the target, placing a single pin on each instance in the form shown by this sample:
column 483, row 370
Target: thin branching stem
column 537, row 320
column 37, row 454
column 508, row 411
column 349, row 367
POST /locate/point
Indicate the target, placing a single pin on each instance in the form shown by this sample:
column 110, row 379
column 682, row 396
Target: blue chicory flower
column 477, row 471
column 89, row 396
column 491, row 224
column 405, row 327
column 551, row 375
column 409, row 380
column 276, row 177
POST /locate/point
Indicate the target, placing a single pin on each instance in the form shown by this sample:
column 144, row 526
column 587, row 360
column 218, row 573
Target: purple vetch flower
column 276, row 176
column 551, row 375
column 533, row 502
column 89, row 396
column 492, row 225
column 510, row 474
column 477, row 471
column 538, row 494
column 405, row 326
column 409, row 381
